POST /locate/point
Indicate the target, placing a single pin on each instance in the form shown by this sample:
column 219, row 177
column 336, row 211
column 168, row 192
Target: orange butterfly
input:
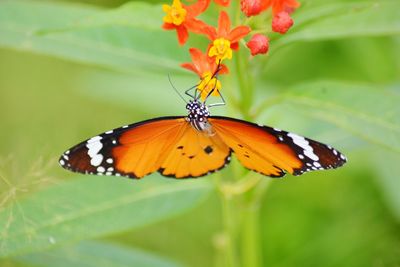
column 197, row 145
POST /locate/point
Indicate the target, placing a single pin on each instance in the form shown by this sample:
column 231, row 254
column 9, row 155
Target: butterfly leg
column 223, row 103
column 187, row 92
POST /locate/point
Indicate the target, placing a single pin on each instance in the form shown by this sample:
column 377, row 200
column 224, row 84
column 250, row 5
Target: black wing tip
column 316, row 166
column 63, row 160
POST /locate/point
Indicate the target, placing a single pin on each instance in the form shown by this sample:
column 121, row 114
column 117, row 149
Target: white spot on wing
column 96, row 160
column 94, row 145
column 101, row 169
column 94, row 139
column 305, row 145
column 316, row 164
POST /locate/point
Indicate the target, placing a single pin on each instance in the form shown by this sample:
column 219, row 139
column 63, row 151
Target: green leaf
column 368, row 112
column 387, row 166
column 132, row 14
column 154, row 96
column 95, row 254
column 67, row 32
column 344, row 20
column 93, row 206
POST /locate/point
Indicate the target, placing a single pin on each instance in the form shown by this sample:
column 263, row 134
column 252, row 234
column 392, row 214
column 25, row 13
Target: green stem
column 241, row 198
column 230, row 236
column 245, row 84
column 251, row 229
column 251, row 250
column 241, row 202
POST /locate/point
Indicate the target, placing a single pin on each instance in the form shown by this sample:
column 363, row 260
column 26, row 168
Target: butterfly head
column 198, row 114
column 197, row 111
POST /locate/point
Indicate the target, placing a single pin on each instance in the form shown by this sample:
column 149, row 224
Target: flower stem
column 229, row 221
column 245, row 84
column 240, row 209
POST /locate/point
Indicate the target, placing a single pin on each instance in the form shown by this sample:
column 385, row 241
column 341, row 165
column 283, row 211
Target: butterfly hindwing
column 169, row 145
column 195, row 154
column 273, row 152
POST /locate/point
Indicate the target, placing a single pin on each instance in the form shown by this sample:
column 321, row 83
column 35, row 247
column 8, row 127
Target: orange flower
column 181, row 18
column 223, row 39
column 280, row 5
column 206, row 68
column 258, row 44
column 282, row 22
column 251, row 7
column 223, row 2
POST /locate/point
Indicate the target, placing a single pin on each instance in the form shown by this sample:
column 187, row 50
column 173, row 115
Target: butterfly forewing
column 273, row 152
column 169, row 145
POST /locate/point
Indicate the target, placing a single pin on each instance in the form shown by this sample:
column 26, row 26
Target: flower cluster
column 224, row 39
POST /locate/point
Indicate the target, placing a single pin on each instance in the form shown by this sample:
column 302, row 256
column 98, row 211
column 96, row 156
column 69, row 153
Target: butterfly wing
column 169, row 145
column 272, row 151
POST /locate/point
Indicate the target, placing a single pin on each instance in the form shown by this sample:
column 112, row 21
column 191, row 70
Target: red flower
column 205, row 67
column 251, row 7
column 281, row 22
column 280, row 5
column 224, row 39
column 258, row 44
column 181, row 18
column 223, row 2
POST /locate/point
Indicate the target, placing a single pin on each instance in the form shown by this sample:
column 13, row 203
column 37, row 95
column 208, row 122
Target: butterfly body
column 197, row 145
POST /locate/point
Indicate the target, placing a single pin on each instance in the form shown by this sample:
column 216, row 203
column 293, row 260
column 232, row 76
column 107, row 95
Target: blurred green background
column 72, row 69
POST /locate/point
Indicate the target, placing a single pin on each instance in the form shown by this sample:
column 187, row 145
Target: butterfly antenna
column 176, row 90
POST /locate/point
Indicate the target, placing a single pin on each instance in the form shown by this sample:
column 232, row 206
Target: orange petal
column 201, row 61
column 224, row 24
column 197, row 8
column 183, row 34
column 168, row 26
column 190, row 67
column 197, row 26
column 223, row 69
column 238, row 33
column 211, row 32
column 235, row 46
column 222, row 2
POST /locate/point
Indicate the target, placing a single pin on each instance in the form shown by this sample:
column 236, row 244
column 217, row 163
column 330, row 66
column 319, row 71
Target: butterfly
column 196, row 145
